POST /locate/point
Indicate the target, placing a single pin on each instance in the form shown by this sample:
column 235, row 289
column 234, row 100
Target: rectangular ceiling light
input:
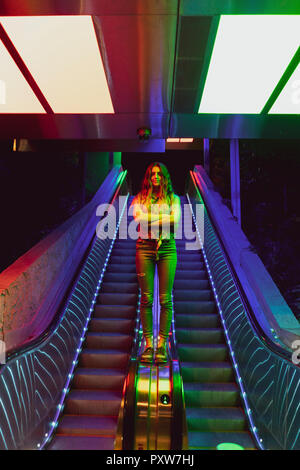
column 186, row 139
column 288, row 102
column 173, row 139
column 250, row 54
column 16, row 96
column 63, row 56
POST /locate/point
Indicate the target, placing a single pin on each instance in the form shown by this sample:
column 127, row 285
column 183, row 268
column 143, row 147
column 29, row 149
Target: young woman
column 157, row 210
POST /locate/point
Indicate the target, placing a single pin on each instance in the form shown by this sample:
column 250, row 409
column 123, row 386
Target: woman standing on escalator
column 157, row 210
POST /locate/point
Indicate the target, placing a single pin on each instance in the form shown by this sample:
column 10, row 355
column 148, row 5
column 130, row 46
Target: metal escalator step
column 114, row 311
column 197, row 306
column 93, row 378
column 119, row 287
column 103, row 359
column 211, row 394
column 207, row 372
column 190, row 274
column 121, row 268
column 199, row 335
column 119, row 277
column 194, row 295
column 83, row 425
column 189, row 262
column 216, row 419
column 82, row 443
column 124, row 243
column 100, row 340
column 120, row 299
column 124, row 251
column 202, row 352
column 93, row 402
column 111, row 325
column 209, row 320
column 193, row 254
column 183, row 240
column 190, row 284
column 189, row 265
column 115, row 259
column 210, row 440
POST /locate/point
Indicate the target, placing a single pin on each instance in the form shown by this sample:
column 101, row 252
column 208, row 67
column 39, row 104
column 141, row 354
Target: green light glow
column 250, row 55
column 229, row 446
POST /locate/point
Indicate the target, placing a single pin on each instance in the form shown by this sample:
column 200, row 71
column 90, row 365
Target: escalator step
column 195, row 295
column 111, row 325
column 104, row 359
column 209, row 320
column 181, row 251
column 199, row 335
column 210, row 440
column 121, row 268
column 105, row 379
column 119, row 287
column 116, row 259
column 190, row 274
column 100, row 340
column 190, row 265
column 114, row 311
column 216, row 419
column 119, row 277
column 124, row 243
column 202, row 352
column 123, row 251
column 211, row 394
column 190, row 284
column 93, row 402
column 104, row 426
column 206, row 372
column 120, row 299
column 189, row 306
column 82, row 443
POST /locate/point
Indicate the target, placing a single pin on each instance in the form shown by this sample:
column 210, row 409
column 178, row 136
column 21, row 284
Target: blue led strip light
column 239, row 378
column 54, row 422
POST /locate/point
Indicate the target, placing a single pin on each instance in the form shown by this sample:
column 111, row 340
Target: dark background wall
column 270, row 210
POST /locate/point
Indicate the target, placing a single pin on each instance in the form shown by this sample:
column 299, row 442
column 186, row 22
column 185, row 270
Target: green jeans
column 146, row 259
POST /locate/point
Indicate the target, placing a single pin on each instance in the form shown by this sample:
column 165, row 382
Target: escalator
column 214, row 411
column 111, row 400
column 90, row 416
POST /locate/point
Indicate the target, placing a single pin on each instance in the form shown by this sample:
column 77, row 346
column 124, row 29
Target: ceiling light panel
column 250, row 55
column 16, row 96
column 62, row 55
column 288, row 101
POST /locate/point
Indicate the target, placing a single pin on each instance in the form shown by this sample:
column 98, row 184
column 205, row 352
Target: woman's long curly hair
column 166, row 189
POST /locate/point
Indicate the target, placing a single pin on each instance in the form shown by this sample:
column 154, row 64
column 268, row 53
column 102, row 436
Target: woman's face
column 156, row 176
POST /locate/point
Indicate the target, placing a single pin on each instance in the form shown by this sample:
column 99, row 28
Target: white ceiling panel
column 16, row 96
column 63, row 56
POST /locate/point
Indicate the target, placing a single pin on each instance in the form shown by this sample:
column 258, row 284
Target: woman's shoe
column 147, row 355
column 161, row 355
